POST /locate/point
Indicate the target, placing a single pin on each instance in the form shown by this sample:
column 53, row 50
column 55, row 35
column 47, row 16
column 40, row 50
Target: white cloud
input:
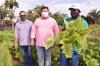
column 86, row 6
column 1, row 2
column 36, row 0
column 63, row 8
column 58, row 5
column 90, row 5
column 24, row 5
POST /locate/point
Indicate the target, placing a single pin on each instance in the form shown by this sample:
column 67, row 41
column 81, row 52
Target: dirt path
column 17, row 63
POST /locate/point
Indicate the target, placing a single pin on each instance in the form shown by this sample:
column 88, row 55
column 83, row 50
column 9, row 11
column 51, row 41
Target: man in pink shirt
column 43, row 28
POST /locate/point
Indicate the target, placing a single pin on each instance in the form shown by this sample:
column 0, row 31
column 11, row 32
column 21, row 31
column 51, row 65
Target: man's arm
column 64, row 25
column 33, row 33
column 62, row 28
column 55, row 28
column 16, row 36
column 86, row 24
column 16, row 42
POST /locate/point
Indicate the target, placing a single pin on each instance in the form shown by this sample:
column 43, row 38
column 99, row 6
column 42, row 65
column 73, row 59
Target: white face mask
column 45, row 14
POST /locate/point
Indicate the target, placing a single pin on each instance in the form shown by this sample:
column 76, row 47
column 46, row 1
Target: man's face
column 45, row 10
column 45, row 13
column 75, row 13
column 23, row 16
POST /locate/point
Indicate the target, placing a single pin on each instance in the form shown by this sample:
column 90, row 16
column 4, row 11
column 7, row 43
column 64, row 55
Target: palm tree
column 95, row 14
column 3, row 14
column 59, row 17
column 37, row 10
column 11, row 5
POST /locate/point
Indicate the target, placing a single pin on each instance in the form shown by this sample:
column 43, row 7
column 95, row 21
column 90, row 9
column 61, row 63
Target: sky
column 58, row 5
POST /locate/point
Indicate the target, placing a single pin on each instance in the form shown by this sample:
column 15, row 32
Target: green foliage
column 3, row 12
column 32, row 16
column 93, row 17
column 8, row 37
column 36, row 12
column 90, row 56
column 5, row 45
column 8, row 22
column 5, row 57
column 11, row 16
column 11, row 3
column 74, row 34
column 55, row 56
column 59, row 17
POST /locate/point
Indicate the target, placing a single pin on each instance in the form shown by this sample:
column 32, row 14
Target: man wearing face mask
column 22, row 36
column 75, row 16
column 43, row 28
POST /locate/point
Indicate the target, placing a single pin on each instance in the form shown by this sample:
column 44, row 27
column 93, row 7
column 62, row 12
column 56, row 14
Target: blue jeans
column 66, row 61
column 44, row 54
column 27, row 55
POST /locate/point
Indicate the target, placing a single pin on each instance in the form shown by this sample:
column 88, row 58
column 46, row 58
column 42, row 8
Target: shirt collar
column 21, row 22
column 77, row 18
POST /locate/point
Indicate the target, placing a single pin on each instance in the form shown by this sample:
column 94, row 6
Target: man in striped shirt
column 22, row 34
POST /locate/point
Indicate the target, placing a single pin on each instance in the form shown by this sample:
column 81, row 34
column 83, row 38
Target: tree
column 36, row 12
column 11, row 5
column 3, row 14
column 95, row 15
column 89, row 19
column 32, row 15
column 59, row 17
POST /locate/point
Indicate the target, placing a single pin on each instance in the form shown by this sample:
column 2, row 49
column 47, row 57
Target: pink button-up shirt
column 43, row 29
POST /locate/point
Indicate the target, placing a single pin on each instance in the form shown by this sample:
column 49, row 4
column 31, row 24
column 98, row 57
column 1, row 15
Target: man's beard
column 75, row 16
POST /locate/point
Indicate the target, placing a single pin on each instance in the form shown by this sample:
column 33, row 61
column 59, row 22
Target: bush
column 91, row 58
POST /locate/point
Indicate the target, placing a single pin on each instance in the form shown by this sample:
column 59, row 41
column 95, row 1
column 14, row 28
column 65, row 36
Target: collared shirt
column 23, row 32
column 74, row 47
column 43, row 29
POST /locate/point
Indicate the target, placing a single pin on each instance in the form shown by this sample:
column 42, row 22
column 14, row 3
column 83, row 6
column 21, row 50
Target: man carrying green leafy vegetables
column 75, row 56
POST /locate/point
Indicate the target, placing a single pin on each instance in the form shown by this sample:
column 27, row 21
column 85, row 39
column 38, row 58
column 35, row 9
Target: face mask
column 45, row 14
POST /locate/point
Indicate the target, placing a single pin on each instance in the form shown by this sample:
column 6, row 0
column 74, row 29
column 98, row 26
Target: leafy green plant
column 6, row 43
column 5, row 57
column 89, row 57
column 74, row 34
column 89, row 49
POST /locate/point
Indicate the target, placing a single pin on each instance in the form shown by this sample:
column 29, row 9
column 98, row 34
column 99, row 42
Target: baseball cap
column 76, row 6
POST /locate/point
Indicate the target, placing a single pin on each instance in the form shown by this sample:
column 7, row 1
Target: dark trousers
column 72, row 61
column 27, row 55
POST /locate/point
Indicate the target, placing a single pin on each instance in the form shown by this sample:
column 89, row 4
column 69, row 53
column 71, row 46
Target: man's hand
column 32, row 42
column 16, row 45
column 62, row 28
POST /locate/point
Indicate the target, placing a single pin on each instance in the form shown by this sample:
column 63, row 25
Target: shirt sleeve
column 64, row 22
column 33, row 30
column 16, row 31
column 55, row 28
column 86, row 24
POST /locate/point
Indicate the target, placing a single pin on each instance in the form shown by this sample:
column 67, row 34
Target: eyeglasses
column 22, row 15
